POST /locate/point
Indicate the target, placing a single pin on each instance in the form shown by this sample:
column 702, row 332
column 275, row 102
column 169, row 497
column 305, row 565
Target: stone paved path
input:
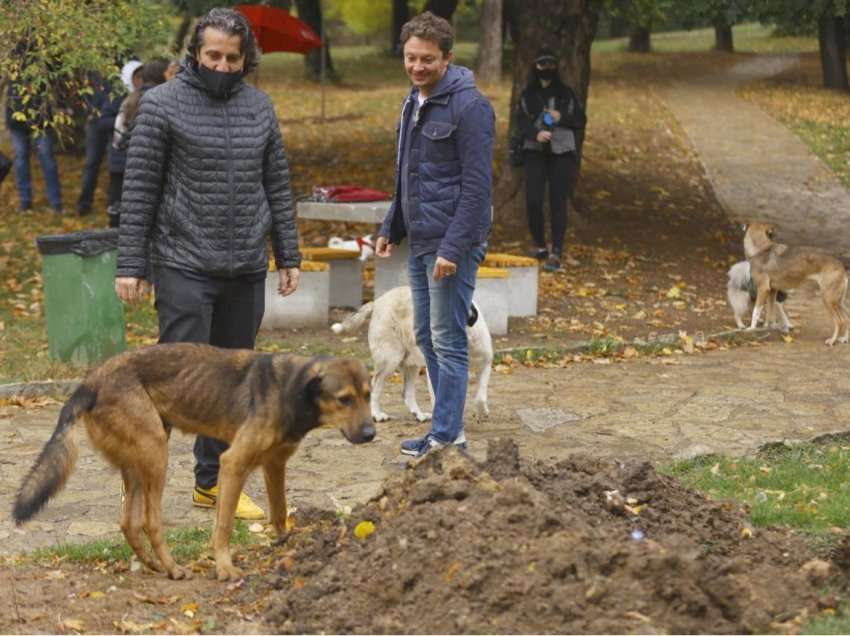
column 727, row 402
column 760, row 169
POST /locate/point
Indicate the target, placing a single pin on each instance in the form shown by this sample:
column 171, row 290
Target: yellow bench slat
column 306, row 266
column 508, row 260
column 328, row 254
column 492, row 272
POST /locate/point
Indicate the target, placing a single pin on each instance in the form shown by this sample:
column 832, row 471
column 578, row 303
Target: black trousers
column 559, row 171
column 225, row 312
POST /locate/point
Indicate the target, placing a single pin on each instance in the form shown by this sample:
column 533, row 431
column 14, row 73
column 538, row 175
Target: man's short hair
column 230, row 22
column 427, row 26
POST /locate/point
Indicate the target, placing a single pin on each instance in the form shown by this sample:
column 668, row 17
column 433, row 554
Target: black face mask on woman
column 219, row 83
column 546, row 74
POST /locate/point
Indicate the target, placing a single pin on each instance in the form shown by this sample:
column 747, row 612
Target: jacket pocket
column 438, row 141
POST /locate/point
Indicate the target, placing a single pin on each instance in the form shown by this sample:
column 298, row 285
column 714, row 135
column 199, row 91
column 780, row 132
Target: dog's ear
column 313, row 377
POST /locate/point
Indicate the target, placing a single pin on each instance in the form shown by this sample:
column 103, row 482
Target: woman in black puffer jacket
column 550, row 120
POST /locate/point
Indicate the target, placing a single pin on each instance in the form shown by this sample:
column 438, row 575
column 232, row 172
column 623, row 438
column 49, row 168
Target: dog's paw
column 421, row 416
column 844, row 339
column 380, row 417
column 829, row 342
column 177, row 573
column 228, row 572
column 481, row 408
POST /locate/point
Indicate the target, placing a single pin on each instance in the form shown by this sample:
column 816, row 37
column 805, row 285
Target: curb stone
column 63, row 388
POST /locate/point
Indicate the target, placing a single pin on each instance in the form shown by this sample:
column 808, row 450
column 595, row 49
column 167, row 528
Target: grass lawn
column 803, row 487
column 355, row 144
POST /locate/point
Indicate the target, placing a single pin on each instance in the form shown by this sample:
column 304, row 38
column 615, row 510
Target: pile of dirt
column 584, row 545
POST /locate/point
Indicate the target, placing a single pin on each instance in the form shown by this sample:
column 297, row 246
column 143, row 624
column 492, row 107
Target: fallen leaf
column 363, row 529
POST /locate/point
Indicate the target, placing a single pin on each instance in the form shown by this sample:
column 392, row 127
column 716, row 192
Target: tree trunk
column 833, row 52
column 568, row 27
column 401, row 14
column 723, row 36
column 311, row 12
column 179, row 43
column 443, row 8
column 510, row 18
column 639, row 40
column 490, row 51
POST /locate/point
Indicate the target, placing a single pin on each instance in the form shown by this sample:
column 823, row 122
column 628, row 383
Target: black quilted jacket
column 206, row 182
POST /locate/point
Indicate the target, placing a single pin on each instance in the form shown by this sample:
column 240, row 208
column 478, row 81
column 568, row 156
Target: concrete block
column 346, row 274
column 522, row 282
column 491, row 296
column 306, row 307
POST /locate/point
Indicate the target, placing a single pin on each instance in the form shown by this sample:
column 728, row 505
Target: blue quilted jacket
column 449, row 170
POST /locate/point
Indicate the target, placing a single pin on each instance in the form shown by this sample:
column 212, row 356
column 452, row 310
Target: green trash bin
column 85, row 318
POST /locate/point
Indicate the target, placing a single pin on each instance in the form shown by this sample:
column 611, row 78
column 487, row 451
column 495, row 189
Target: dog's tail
column 56, row 461
column 354, row 321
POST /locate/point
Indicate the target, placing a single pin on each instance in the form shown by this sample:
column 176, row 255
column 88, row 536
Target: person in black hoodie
column 550, row 119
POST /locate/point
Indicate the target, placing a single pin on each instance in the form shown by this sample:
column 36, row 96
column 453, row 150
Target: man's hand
column 556, row 115
column 444, row 268
column 130, row 290
column 383, row 247
column 288, row 280
column 544, row 136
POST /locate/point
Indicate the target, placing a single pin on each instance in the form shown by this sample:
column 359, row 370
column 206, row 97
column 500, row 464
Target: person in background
column 103, row 108
column 206, row 182
column 150, row 75
column 172, row 70
column 27, row 128
column 442, row 205
column 550, row 119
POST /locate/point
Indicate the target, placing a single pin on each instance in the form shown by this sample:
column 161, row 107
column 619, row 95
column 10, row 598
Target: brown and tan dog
column 261, row 404
column 775, row 266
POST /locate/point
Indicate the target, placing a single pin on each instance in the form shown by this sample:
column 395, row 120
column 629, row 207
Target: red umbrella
column 277, row 30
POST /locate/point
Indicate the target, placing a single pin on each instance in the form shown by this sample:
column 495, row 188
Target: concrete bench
column 346, row 274
column 491, row 296
column 306, row 307
column 522, row 283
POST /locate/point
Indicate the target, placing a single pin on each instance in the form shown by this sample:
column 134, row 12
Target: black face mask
column 219, row 84
column 547, row 74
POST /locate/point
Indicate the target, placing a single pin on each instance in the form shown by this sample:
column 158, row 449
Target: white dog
column 392, row 343
column 364, row 245
column 741, row 295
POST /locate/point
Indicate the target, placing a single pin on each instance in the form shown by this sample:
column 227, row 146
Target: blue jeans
column 440, row 312
column 98, row 136
column 21, row 141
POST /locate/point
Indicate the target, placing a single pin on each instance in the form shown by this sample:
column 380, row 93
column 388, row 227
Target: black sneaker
column 421, row 446
column 553, row 264
column 540, row 253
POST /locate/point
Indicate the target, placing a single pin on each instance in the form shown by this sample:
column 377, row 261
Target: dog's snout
column 367, row 433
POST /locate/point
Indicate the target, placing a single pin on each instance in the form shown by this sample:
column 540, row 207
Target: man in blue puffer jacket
column 442, row 205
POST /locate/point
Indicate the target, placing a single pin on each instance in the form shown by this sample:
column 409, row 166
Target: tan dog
column 775, row 266
column 261, row 404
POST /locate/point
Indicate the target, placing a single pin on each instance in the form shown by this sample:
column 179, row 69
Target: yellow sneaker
column 246, row 508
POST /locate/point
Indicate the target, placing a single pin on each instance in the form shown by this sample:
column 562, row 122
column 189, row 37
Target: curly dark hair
column 230, row 22
column 428, row 26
